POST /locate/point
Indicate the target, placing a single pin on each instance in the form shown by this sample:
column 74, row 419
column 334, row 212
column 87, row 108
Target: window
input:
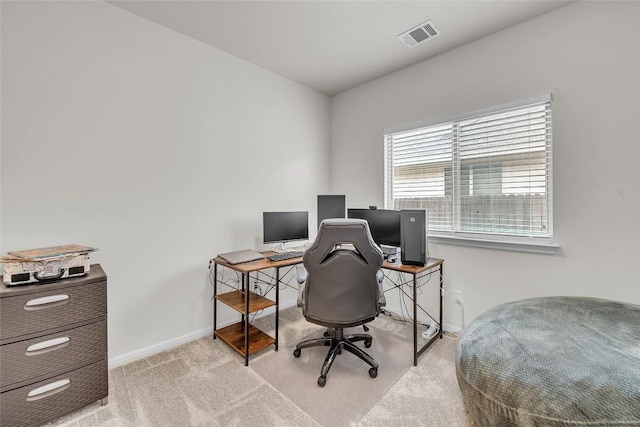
column 484, row 176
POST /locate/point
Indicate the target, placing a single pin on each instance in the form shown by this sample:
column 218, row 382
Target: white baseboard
column 126, row 358
column 132, row 356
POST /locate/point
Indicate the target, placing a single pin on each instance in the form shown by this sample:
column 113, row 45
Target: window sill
column 548, row 248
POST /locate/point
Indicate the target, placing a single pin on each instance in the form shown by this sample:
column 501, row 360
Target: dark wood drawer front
column 54, row 353
column 42, row 311
column 67, row 392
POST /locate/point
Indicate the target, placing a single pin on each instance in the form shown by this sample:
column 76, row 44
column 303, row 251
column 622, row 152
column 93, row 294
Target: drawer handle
column 48, row 390
column 46, row 302
column 47, row 346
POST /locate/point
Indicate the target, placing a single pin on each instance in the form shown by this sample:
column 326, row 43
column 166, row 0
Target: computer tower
column 331, row 206
column 413, row 236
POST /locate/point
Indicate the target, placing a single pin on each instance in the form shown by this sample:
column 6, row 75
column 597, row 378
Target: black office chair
column 341, row 289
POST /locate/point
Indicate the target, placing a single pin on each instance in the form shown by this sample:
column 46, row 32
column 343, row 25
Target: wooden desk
column 417, row 272
column 243, row 337
column 246, row 339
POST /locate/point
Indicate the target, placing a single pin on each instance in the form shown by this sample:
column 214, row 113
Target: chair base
column 338, row 341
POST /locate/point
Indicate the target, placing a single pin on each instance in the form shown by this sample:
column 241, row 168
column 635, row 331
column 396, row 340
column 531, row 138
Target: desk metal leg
column 245, row 285
column 441, row 296
column 277, row 304
column 215, row 294
column 415, row 320
column 417, row 352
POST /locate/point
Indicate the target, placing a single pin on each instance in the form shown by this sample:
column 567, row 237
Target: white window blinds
column 483, row 174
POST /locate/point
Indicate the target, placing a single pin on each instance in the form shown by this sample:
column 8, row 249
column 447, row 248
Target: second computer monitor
column 331, row 206
column 384, row 224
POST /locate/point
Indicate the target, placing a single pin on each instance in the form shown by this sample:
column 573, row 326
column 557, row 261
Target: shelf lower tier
column 234, row 336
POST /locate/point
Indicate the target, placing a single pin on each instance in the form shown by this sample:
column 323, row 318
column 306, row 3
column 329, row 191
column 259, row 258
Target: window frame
column 526, row 243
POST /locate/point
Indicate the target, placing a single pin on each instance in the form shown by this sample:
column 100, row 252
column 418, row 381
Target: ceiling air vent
column 420, row 33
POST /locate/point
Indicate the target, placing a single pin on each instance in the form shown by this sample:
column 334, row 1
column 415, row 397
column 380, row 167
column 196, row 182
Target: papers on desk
column 238, row 257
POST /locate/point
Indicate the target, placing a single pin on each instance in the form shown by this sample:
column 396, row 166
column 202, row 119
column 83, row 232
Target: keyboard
column 285, row 255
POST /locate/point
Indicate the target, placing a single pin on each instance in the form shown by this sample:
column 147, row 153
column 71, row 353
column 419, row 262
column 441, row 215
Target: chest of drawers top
column 96, row 274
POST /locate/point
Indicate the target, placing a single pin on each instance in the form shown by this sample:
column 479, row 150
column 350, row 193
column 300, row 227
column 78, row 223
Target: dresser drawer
column 47, row 310
column 52, row 398
column 38, row 358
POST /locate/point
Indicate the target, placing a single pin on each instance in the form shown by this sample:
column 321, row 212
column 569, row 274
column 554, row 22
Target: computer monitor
column 384, row 224
column 331, row 206
column 281, row 227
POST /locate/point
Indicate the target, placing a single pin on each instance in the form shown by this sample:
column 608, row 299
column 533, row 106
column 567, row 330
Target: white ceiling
column 332, row 46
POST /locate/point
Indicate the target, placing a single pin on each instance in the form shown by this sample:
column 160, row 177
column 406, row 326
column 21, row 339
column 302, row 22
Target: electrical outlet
column 457, row 297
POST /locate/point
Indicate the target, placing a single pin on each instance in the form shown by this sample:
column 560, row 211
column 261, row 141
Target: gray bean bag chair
column 556, row 361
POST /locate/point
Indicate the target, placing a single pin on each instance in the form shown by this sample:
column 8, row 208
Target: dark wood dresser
column 53, row 348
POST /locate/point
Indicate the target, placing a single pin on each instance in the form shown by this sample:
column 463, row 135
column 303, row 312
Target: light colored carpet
column 205, row 383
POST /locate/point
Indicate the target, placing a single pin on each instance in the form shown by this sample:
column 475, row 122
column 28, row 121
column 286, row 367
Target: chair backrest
column 341, row 288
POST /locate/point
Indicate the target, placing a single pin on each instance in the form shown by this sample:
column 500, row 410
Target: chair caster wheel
column 367, row 344
column 326, row 334
column 322, row 381
column 296, row 352
column 373, row 372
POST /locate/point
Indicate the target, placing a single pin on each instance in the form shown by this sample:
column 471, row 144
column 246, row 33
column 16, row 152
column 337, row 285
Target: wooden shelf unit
column 243, row 337
column 234, row 335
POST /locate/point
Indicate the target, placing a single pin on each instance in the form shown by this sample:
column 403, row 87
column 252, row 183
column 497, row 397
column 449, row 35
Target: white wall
column 586, row 54
column 157, row 149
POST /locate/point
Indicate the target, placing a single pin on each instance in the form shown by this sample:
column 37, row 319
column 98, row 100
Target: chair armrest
column 301, row 277
column 382, row 301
